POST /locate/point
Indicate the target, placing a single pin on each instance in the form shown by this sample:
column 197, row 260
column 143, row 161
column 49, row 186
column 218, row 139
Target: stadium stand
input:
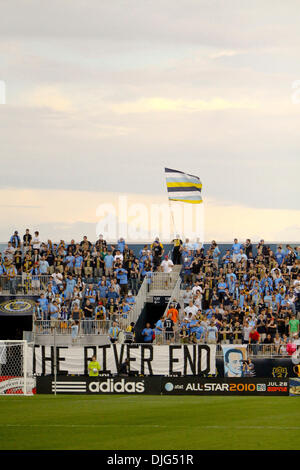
column 238, row 294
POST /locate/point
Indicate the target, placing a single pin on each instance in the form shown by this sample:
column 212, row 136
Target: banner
column 277, row 367
column 152, row 360
column 235, row 359
column 162, row 386
column 295, row 387
column 144, row 359
column 16, row 306
column 226, row 386
column 14, row 385
column 100, row 385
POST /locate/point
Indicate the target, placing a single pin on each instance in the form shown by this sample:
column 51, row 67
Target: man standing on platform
column 157, row 252
column 176, row 253
column 114, row 332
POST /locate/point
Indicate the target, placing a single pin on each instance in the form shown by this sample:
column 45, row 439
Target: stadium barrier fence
column 164, row 337
column 138, row 306
column 25, row 284
column 161, row 281
column 69, row 327
column 175, row 295
column 158, row 385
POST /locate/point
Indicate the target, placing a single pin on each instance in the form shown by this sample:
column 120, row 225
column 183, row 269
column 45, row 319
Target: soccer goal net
column 16, row 368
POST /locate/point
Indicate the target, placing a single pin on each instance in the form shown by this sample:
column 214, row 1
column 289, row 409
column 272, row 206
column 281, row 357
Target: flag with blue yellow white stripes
column 183, row 187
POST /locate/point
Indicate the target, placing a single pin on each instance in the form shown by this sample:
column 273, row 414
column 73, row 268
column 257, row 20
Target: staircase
column 163, row 284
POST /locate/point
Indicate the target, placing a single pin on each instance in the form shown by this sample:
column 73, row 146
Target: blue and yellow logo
column 16, row 306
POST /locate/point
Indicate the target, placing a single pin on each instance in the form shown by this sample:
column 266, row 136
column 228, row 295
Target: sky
column 101, row 96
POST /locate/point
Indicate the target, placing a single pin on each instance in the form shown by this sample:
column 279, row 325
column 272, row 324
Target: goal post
column 16, row 376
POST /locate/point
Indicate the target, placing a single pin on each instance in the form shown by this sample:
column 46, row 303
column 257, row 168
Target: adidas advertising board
column 117, row 386
column 163, row 386
column 100, row 385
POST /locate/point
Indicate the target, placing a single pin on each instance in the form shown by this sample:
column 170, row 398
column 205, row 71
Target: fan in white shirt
column 187, row 296
column 296, row 339
column 296, row 285
column 198, row 301
column 119, row 256
column 58, row 278
column 273, row 272
column 191, row 308
column 36, row 241
column 196, row 289
column 167, row 265
column 9, row 252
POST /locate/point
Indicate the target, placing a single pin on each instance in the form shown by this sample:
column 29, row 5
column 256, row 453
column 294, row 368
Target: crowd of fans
column 240, row 297
column 79, row 281
column 243, row 296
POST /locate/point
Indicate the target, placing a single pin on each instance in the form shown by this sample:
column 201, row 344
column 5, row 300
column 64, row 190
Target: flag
column 183, row 187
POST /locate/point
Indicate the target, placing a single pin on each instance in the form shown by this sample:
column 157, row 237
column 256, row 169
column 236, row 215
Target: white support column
column 25, row 356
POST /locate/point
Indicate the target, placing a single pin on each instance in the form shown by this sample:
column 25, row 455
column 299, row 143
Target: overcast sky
column 101, row 95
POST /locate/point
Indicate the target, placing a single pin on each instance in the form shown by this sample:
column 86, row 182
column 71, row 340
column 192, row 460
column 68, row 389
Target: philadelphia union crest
column 17, row 306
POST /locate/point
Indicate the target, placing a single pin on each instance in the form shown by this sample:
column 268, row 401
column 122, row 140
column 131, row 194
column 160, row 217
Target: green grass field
column 149, row 422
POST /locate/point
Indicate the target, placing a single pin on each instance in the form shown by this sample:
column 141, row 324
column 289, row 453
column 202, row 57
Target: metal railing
column 163, row 281
column 138, row 306
column 164, row 336
column 25, row 284
column 174, row 296
column 70, row 327
column 158, row 281
column 253, row 350
column 260, row 350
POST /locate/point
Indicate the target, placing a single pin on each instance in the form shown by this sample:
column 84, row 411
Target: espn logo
column 261, row 387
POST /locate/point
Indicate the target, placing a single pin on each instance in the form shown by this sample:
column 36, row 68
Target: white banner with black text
column 143, row 359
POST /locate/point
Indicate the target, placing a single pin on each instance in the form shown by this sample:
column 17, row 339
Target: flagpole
column 173, row 218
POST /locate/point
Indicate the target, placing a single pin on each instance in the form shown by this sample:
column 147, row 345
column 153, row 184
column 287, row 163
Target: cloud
column 225, row 53
column 220, row 23
column 72, row 214
column 285, row 233
column 49, row 97
column 105, row 100
column 19, row 206
column 159, row 104
column 236, row 152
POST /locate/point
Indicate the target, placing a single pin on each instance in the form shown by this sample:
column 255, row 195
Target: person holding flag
column 176, row 252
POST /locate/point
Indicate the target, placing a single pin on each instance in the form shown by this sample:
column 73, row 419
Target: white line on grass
column 281, row 428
